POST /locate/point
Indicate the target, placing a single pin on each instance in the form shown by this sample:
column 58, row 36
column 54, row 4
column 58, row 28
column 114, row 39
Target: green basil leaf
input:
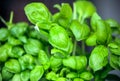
column 86, row 75
column 33, row 46
column 16, row 77
column 112, row 23
column 117, row 40
column 61, row 79
column 103, row 32
column 25, row 75
column 16, row 52
column 58, row 38
column 114, row 61
column 80, row 31
column 114, row 48
column 91, row 40
column 51, row 76
column 95, row 17
column 64, row 71
column 84, row 9
column 46, row 66
column 27, row 62
column 42, row 57
column 98, row 58
column 13, row 66
column 72, row 75
column 55, row 63
column 6, row 75
column 64, row 16
column 19, row 29
column 4, row 33
column 13, row 41
column 78, row 79
column 23, row 39
column 38, row 13
column 66, row 10
column 4, row 52
column 44, row 25
column 58, row 53
column 36, row 73
column 75, row 62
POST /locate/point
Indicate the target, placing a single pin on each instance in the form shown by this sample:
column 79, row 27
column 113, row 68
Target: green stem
column 9, row 24
column 74, row 11
column 47, row 51
column 74, row 48
column 82, row 20
column 11, row 17
column 3, row 20
column 83, row 47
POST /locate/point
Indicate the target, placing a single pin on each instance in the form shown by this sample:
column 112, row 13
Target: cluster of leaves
column 53, row 48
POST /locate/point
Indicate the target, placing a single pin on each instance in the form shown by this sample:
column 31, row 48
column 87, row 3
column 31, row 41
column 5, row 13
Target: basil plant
column 72, row 44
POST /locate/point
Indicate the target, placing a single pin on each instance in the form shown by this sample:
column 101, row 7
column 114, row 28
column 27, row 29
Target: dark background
column 105, row 8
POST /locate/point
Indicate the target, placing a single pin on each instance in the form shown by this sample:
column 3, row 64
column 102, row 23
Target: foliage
column 54, row 47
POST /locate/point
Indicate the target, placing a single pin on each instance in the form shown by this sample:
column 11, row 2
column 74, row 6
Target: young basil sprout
column 84, row 9
column 64, row 17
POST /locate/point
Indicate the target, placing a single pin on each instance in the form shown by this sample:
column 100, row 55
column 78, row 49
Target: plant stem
column 11, row 17
column 3, row 20
column 74, row 48
column 83, row 47
column 74, row 11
